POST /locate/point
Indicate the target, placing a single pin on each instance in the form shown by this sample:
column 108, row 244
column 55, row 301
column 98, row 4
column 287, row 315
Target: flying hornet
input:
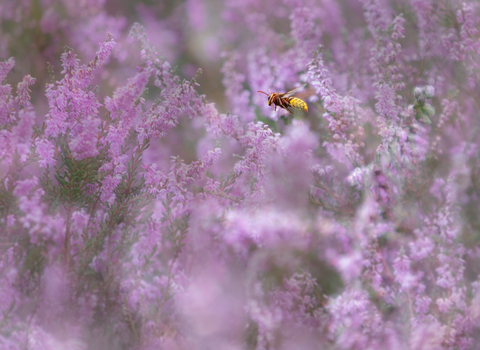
column 286, row 100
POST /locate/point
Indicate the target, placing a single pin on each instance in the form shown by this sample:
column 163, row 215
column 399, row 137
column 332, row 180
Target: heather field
column 150, row 198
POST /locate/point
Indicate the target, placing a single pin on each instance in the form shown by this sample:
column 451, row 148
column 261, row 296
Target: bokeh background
column 200, row 218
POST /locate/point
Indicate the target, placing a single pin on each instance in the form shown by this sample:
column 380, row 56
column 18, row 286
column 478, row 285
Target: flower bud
column 417, row 92
column 429, row 91
column 428, row 110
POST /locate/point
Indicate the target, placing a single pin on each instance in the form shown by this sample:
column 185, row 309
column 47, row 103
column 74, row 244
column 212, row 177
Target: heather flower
column 357, row 177
column 351, row 311
column 247, row 227
column 23, row 92
column 84, row 144
column 258, row 141
column 17, row 142
column 23, row 188
column 6, row 99
column 112, row 180
column 303, row 31
column 69, row 101
column 295, row 299
column 6, row 67
column 429, row 91
column 293, row 151
column 403, row 274
column 386, row 100
column 341, row 115
column 238, row 98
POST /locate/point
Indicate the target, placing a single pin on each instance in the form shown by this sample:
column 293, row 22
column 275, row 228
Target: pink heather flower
column 6, row 67
column 182, row 175
column 342, row 115
column 23, row 92
column 108, row 186
column 6, row 147
column 10, row 220
column 444, row 304
column 212, row 185
column 351, row 312
column 386, row 100
column 303, row 27
column 296, row 298
column 429, row 91
column 126, row 100
column 451, row 269
column 268, row 319
column 8, row 291
column 70, row 62
column 418, row 92
column 23, row 188
column 317, row 169
column 116, row 139
column 459, row 44
column 375, row 15
column 420, row 142
column 70, row 100
column 176, row 98
column 422, row 305
column 125, row 107
column 398, row 28
column 256, row 227
column 154, row 179
column 84, row 143
column 46, row 152
column 80, row 219
column 403, row 274
column 319, row 78
column 427, row 335
column 293, row 151
column 114, row 171
column 22, row 132
column 105, row 51
column 238, row 97
column 357, row 176
column 56, row 124
column 259, row 141
column 349, row 265
column 421, row 248
column 6, row 99
column 6, row 105
column 218, row 124
column 426, row 26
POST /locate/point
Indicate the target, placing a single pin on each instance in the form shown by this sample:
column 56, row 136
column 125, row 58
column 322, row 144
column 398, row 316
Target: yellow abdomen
column 298, row 104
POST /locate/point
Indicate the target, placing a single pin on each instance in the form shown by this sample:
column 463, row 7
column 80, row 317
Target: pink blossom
column 23, row 92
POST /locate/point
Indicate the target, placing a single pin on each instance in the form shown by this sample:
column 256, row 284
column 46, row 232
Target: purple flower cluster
column 146, row 206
